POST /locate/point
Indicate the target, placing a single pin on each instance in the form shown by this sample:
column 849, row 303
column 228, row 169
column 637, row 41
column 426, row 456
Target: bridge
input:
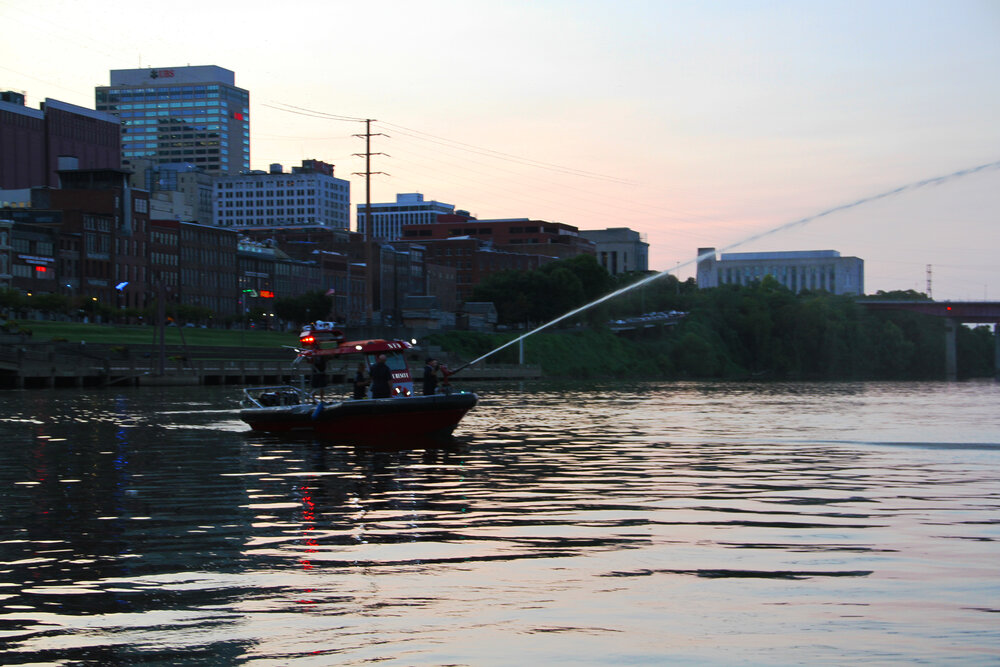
column 955, row 313
column 647, row 321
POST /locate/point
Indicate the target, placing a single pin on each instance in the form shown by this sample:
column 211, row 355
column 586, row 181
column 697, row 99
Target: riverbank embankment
column 35, row 362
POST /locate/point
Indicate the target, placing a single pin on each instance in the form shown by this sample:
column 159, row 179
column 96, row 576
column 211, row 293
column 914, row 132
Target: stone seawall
column 75, row 365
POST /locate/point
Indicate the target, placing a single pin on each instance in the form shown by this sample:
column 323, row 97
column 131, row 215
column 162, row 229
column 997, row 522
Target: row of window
column 269, row 193
column 97, row 244
column 793, row 277
column 304, row 210
column 163, row 238
column 195, row 117
column 174, row 105
column 206, row 258
column 114, row 93
column 22, row 245
column 288, row 220
column 211, row 162
column 269, row 203
column 163, row 258
column 206, row 279
column 96, row 224
column 29, row 271
column 275, row 186
column 165, row 125
column 199, row 138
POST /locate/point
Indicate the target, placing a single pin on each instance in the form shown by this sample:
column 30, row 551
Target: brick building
column 474, row 259
column 521, row 235
column 103, row 235
column 34, row 140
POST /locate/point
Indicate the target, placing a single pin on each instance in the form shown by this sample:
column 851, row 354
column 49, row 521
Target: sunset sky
column 694, row 123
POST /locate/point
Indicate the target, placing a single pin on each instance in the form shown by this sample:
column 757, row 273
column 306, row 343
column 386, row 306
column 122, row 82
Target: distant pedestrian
column 381, row 379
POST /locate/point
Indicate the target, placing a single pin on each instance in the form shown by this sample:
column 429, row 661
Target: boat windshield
column 395, row 362
column 402, row 382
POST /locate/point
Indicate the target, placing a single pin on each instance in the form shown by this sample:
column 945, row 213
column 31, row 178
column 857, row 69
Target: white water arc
column 937, row 180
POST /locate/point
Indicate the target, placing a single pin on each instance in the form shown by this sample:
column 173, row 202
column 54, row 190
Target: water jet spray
column 937, row 180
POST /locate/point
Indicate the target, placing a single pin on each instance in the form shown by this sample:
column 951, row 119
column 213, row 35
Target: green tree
column 53, row 304
column 12, row 301
column 308, row 307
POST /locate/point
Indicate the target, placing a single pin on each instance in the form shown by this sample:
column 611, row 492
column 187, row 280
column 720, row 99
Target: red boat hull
column 368, row 419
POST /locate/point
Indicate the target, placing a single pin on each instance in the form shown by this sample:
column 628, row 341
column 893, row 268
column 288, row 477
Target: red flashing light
column 307, row 340
column 41, row 269
column 947, row 307
column 266, row 294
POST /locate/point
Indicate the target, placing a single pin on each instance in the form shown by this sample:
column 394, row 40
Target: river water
column 650, row 523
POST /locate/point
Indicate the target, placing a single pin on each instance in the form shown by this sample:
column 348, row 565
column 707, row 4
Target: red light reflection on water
column 309, row 524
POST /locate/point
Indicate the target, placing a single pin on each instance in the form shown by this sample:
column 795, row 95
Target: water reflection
column 604, row 524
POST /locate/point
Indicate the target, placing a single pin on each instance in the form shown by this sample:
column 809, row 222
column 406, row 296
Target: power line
column 417, row 134
column 288, row 108
column 424, row 136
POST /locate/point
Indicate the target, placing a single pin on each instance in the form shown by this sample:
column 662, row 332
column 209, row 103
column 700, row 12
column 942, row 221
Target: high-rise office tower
column 195, row 115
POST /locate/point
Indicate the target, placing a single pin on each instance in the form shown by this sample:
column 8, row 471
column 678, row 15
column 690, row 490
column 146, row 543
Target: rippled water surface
column 652, row 523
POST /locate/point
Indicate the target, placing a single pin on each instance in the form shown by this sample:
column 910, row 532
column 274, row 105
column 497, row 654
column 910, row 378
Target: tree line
column 307, row 307
column 761, row 330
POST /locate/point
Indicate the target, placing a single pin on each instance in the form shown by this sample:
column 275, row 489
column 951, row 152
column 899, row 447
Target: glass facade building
column 192, row 114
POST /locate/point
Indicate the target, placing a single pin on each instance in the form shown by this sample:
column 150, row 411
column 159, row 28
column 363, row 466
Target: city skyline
column 693, row 125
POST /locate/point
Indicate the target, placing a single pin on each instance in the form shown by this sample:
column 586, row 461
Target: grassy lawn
column 74, row 332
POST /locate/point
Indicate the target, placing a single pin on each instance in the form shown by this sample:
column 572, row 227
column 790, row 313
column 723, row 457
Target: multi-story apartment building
column 200, row 261
column 100, row 225
column 32, row 258
column 388, row 219
column 310, row 195
column 340, row 255
column 619, row 249
column 34, row 140
column 798, row 271
column 181, row 114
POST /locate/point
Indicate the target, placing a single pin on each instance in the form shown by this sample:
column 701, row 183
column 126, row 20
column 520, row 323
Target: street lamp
column 121, row 294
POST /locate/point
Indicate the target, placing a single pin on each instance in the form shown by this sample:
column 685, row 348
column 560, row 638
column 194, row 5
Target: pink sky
column 696, row 124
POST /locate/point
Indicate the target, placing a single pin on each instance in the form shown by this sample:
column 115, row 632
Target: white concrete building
column 387, row 219
column 310, row 195
column 797, row 270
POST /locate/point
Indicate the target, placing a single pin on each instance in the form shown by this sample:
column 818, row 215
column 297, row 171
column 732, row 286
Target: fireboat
column 402, row 414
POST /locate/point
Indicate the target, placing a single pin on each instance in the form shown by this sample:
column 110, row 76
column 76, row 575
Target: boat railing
column 279, row 395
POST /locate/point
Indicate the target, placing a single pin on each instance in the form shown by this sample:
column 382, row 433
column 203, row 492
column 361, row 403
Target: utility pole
column 930, row 294
column 367, row 173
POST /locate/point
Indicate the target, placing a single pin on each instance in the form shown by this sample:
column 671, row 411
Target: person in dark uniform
column 381, row 379
column 430, row 377
column 360, row 382
column 319, row 376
